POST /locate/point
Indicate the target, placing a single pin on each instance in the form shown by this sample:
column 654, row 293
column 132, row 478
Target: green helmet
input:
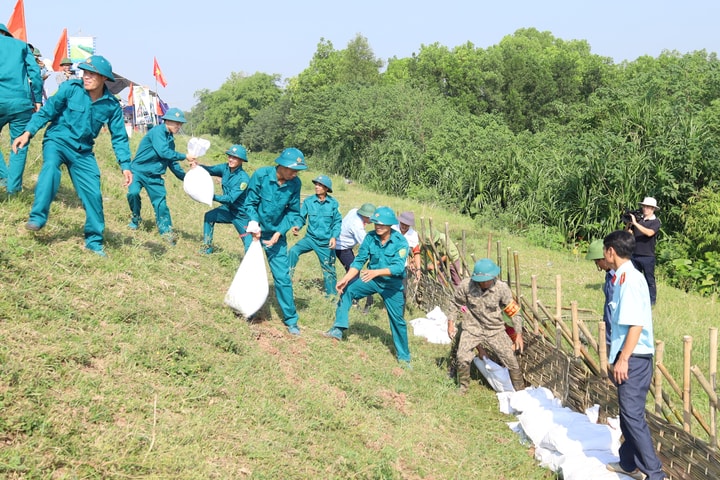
column 325, row 181
column 384, row 216
column 66, row 61
column 292, row 158
column 595, row 250
column 366, row 210
column 98, row 64
column 5, row 30
column 485, row 270
column 238, row 151
column 175, row 115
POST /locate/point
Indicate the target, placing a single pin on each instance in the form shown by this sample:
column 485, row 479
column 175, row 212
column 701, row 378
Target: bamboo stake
column 602, row 350
column 713, row 384
column 677, row 390
column 712, row 396
column 659, row 357
column 489, row 245
column 499, row 254
column 516, row 262
column 534, row 289
column 687, row 351
column 558, row 297
column 463, row 255
column 509, row 262
column 447, row 250
column 575, row 329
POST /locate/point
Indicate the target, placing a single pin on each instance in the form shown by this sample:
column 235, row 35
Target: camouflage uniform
column 483, row 325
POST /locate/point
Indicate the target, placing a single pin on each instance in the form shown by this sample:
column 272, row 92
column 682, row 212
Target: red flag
column 158, row 73
column 131, row 96
column 61, row 50
column 16, row 24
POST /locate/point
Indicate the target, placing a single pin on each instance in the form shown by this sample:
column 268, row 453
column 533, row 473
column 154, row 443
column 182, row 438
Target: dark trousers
column 347, row 257
column 637, row 450
column 646, row 265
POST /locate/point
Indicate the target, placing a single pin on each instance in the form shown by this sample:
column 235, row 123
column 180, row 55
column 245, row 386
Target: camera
column 625, row 218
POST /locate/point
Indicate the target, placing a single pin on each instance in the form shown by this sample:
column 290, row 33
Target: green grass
column 132, row 367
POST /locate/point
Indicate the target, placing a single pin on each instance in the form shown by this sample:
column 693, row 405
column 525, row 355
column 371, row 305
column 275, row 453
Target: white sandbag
column 249, row 289
column 497, row 376
column 197, row 147
column 433, row 327
column 199, row 185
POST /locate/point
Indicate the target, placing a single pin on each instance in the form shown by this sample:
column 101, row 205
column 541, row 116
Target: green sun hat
column 384, row 216
column 98, row 64
column 237, row 151
column 325, row 181
column 292, row 158
column 595, row 250
column 175, row 115
column 366, row 210
column 485, row 270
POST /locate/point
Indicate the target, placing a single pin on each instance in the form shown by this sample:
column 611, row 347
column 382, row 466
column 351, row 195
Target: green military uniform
column 156, row 153
column 391, row 255
column 276, row 208
column 75, row 121
column 323, row 223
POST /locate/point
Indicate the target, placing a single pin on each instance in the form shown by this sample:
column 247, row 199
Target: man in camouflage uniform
column 484, row 299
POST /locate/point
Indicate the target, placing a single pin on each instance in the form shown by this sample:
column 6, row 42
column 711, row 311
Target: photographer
column 645, row 231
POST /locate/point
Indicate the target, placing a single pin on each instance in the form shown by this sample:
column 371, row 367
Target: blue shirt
column 156, row 153
column 323, row 218
column 630, row 306
column 352, row 231
column 275, row 207
column 75, row 120
column 234, row 185
column 390, row 255
column 17, row 67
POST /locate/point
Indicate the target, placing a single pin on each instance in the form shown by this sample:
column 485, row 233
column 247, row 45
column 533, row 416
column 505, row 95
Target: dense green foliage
column 536, row 133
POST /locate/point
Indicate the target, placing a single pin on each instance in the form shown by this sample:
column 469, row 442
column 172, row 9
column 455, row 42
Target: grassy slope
column 131, row 367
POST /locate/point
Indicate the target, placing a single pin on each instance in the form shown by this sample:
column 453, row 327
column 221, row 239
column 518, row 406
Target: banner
column 81, row 48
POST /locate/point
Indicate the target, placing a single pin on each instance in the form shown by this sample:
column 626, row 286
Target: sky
column 198, row 44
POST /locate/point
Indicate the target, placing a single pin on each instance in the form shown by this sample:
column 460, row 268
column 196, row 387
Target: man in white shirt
column 352, row 232
column 406, row 222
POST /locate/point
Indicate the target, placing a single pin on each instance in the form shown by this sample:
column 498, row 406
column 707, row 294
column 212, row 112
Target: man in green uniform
column 20, row 83
column 156, row 153
column 272, row 204
column 234, row 186
column 433, row 242
column 385, row 251
column 76, row 113
column 321, row 211
column 484, row 299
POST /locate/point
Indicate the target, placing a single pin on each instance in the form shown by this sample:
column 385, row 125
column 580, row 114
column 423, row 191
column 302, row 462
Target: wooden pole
column 659, row 356
column 558, row 298
column 687, row 354
column 516, row 263
column 602, row 350
column 534, row 287
column 713, row 384
column 575, row 329
column 463, row 254
column 509, row 262
column 499, row 254
column 447, row 250
column 489, row 245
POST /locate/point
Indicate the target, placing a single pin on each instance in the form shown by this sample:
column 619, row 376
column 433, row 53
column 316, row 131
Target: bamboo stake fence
column 564, row 355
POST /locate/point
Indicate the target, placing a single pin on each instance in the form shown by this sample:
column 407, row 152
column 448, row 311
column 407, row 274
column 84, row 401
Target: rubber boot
column 463, row 377
column 516, row 377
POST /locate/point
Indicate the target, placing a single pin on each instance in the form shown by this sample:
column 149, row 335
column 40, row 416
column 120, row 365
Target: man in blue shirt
column 76, row 114
column 20, row 83
column 156, row 153
column 272, row 204
column 234, row 186
column 321, row 211
column 385, row 252
column 631, row 353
